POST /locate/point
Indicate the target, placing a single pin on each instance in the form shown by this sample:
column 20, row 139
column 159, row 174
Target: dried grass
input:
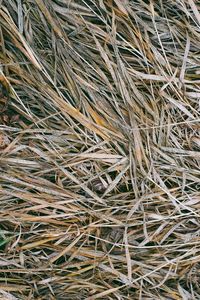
column 99, row 149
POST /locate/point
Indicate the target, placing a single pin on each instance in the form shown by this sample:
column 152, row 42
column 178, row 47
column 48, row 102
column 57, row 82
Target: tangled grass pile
column 99, row 149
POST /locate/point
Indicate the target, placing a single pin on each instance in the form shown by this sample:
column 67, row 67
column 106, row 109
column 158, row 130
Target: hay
column 99, row 149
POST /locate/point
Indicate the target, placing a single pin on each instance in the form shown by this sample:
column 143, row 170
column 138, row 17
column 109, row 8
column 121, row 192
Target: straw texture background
column 99, row 149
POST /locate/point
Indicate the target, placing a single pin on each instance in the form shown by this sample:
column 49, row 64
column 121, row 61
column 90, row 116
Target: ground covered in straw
column 99, row 149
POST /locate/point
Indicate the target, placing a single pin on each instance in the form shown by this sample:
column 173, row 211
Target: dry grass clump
column 99, row 149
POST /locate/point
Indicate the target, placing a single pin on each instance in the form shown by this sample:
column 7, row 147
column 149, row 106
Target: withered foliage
column 99, row 149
